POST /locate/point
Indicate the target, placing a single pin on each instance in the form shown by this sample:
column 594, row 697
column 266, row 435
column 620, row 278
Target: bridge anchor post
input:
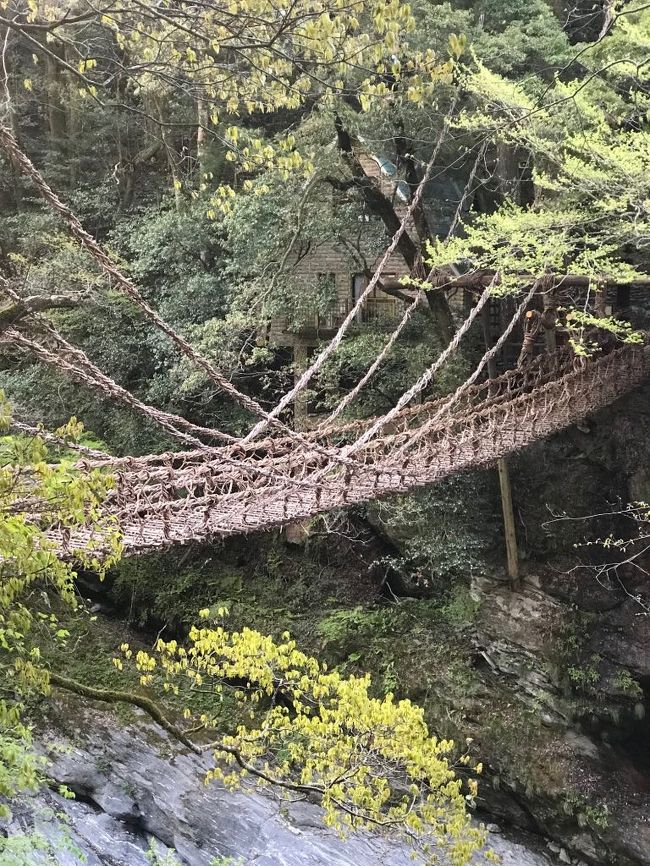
column 505, row 487
column 509, row 522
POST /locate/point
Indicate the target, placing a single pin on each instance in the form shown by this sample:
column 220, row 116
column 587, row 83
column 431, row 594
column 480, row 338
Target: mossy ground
column 422, row 649
column 425, row 649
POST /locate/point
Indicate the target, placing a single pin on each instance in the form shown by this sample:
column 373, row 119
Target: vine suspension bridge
column 253, row 483
column 197, row 495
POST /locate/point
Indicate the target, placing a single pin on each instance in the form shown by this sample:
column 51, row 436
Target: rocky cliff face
column 134, row 790
column 585, row 776
column 571, row 648
column 553, row 679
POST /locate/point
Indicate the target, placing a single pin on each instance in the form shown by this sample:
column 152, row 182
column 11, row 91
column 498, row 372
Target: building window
column 325, row 295
column 359, row 282
column 623, row 297
column 325, row 300
column 326, row 282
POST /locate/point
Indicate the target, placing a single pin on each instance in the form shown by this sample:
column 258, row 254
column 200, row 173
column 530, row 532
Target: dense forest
column 325, row 463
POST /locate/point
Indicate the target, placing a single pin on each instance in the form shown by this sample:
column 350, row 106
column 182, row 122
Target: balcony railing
column 381, row 309
column 375, row 311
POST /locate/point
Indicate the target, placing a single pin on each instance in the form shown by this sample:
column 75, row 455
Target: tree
column 370, row 762
column 622, row 554
column 587, row 137
column 36, row 494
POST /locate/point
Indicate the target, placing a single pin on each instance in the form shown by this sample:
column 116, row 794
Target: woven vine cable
column 111, row 387
column 350, row 396
column 426, row 377
column 85, row 371
column 466, row 192
column 109, row 267
column 98, row 379
column 336, row 340
column 90, row 375
column 278, row 449
column 53, row 359
column 491, row 353
column 408, row 313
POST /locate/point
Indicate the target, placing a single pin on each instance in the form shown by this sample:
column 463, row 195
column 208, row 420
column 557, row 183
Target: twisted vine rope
column 336, row 340
column 427, row 376
column 487, row 357
column 83, row 370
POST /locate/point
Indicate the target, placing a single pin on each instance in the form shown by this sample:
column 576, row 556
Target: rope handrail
column 503, row 387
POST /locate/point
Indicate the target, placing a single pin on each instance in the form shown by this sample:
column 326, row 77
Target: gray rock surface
column 133, row 787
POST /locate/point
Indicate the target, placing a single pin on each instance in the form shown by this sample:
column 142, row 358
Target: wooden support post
column 509, row 522
column 300, row 364
column 504, row 476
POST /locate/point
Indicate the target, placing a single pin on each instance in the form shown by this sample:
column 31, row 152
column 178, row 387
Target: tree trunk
column 300, row 408
column 410, row 250
column 55, row 100
column 202, row 122
column 442, row 316
column 549, row 319
column 72, row 116
column 170, row 153
column 12, row 198
column 514, row 174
